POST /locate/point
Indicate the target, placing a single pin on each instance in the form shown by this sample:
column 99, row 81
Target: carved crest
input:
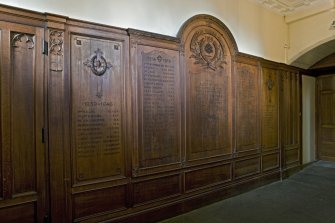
column 98, row 63
column 207, row 50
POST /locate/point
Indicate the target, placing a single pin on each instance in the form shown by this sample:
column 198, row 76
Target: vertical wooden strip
column 5, row 115
column 56, row 138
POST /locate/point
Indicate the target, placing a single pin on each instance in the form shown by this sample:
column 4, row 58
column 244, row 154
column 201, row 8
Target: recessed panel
column 19, row 213
column 291, row 156
column 208, row 80
column 96, row 114
column 23, row 112
column 247, row 126
column 270, row 161
column 99, row 201
column 269, row 109
column 159, row 106
column 247, row 167
column 197, row 179
column 151, row 190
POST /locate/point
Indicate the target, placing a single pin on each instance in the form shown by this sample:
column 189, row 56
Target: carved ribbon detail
column 207, row 50
column 20, row 38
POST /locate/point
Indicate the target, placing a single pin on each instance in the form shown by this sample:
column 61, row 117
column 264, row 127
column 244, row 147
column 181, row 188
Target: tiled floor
column 306, row 197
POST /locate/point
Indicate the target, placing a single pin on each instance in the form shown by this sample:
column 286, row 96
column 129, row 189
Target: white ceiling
column 287, row 7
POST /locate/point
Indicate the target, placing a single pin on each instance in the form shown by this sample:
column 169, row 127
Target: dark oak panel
column 97, row 98
column 20, row 213
column 155, row 189
column 208, row 77
column 247, row 167
column 326, row 118
column 247, row 118
column 270, row 109
column 270, row 161
column 23, row 152
column 197, row 179
column 23, row 134
column 290, row 118
column 156, row 75
column 99, row 201
column 292, row 156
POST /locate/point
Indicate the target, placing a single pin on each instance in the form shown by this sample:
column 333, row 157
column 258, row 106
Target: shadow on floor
column 306, row 197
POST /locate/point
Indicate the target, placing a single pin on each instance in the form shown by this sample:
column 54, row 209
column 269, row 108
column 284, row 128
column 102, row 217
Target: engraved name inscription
column 269, row 110
column 96, row 112
column 247, row 107
column 209, row 113
column 95, row 135
column 159, row 108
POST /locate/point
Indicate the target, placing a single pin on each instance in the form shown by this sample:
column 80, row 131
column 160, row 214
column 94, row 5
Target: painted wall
column 309, row 30
column 257, row 31
column 308, row 118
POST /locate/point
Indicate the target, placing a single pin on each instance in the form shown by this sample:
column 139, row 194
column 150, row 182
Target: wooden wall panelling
column 290, row 115
column 247, row 85
column 269, row 116
column 207, row 176
column 56, row 133
column 157, row 99
column 245, row 167
column 325, row 119
column 209, row 50
column 22, row 120
column 192, row 120
column 98, row 89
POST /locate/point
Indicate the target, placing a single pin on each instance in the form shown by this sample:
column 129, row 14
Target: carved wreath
column 98, row 63
column 207, row 50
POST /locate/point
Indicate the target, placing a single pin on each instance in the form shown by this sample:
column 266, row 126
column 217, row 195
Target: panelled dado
column 106, row 124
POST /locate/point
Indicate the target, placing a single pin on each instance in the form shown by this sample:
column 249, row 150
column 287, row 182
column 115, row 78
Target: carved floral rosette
column 208, row 50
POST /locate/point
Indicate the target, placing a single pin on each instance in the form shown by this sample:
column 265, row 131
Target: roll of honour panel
column 269, row 109
column 208, row 55
column 97, row 98
column 157, row 78
column 247, row 107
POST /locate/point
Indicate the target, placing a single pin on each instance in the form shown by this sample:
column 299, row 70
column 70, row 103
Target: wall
column 308, row 118
column 309, row 30
column 256, row 30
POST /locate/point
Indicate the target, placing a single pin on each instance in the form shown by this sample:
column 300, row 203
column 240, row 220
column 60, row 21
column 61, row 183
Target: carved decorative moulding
column 56, row 39
column 56, row 42
column 207, row 50
column 23, row 40
column 98, row 63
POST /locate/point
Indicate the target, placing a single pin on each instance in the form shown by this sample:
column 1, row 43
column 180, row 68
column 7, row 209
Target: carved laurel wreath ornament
column 207, row 50
column 98, row 63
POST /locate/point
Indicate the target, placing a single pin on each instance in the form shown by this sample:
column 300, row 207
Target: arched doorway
column 319, row 107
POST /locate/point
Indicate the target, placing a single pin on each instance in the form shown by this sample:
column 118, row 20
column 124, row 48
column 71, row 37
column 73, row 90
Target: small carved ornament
column 98, row 63
column 20, row 38
column 207, row 50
